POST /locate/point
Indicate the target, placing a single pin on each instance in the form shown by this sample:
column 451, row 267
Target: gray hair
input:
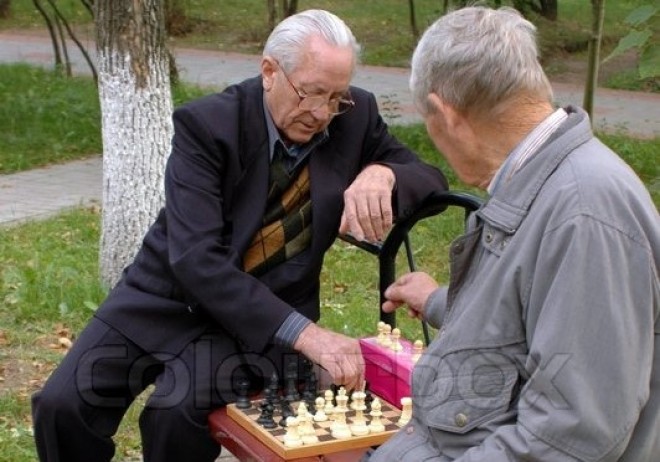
column 476, row 58
column 291, row 36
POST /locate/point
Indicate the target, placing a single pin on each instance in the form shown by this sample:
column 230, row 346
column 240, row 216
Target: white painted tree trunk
column 136, row 106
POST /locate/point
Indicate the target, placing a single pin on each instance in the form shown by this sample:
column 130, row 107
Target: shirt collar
column 527, row 148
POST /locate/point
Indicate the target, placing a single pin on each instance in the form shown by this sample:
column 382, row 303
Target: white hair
column 291, row 36
column 476, row 58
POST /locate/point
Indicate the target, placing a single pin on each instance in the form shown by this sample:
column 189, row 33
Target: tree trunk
column 549, row 9
column 136, row 105
column 413, row 21
column 53, row 35
column 291, row 9
column 272, row 14
column 597, row 16
column 5, row 9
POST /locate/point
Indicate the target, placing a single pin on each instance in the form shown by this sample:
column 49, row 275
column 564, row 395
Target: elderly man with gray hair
column 548, row 342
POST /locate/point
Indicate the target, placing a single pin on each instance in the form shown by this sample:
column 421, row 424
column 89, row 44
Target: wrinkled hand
column 368, row 204
column 339, row 355
column 413, row 290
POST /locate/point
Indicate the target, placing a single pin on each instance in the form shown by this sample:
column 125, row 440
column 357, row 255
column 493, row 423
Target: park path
column 43, row 192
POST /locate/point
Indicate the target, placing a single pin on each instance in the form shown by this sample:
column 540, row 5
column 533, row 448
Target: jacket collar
column 507, row 208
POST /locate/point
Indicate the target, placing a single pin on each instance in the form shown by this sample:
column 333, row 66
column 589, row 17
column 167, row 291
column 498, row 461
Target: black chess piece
column 243, row 400
column 291, row 377
column 271, row 392
column 310, row 390
column 286, row 411
column 368, row 400
column 265, row 419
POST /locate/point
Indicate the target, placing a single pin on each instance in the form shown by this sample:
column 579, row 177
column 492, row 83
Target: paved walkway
column 43, row 192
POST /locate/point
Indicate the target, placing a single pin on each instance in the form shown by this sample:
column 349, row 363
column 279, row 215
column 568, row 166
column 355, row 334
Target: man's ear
column 451, row 117
column 268, row 67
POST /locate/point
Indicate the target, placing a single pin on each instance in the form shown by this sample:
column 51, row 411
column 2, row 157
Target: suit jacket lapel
column 251, row 188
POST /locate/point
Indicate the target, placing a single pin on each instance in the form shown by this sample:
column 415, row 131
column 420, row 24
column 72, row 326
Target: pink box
column 387, row 372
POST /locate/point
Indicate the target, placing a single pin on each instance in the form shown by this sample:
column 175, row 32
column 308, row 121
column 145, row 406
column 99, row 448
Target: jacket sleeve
column 415, row 179
column 590, row 326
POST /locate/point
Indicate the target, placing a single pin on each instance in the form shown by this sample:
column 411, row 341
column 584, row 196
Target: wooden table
column 245, row 447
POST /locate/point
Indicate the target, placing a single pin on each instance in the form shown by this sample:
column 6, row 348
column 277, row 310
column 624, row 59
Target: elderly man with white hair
column 548, row 342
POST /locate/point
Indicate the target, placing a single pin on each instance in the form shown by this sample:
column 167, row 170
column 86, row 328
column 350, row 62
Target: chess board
column 326, row 444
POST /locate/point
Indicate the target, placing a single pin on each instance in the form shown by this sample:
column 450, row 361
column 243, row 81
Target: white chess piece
column 328, row 408
column 292, row 437
column 302, row 410
column 381, row 332
column 307, row 432
column 342, row 400
column 387, row 336
column 406, row 411
column 417, row 350
column 320, row 415
column 376, row 425
column 339, row 428
column 395, row 344
column 359, row 426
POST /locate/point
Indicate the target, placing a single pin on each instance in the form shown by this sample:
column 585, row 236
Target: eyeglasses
column 336, row 106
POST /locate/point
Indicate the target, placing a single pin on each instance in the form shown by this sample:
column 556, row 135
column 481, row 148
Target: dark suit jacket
column 187, row 276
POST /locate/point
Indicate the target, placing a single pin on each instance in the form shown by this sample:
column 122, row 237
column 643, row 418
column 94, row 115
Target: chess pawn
column 395, row 344
column 306, row 430
column 320, row 415
column 417, row 350
column 406, row 411
column 292, row 437
column 381, row 333
column 387, row 336
column 328, row 408
column 376, row 425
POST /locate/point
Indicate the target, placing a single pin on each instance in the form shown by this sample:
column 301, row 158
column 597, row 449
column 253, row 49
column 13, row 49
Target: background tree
column 413, row 21
column 136, row 106
column 546, row 8
column 598, row 15
column 643, row 37
column 287, row 8
column 5, row 9
column 55, row 21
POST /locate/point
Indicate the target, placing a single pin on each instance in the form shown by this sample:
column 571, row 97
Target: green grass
column 48, row 118
column 45, row 118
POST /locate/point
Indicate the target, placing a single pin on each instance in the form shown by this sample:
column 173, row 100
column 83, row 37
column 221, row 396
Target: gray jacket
column 549, row 346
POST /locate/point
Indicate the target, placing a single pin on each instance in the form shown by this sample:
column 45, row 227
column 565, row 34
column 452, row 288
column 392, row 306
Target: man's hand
column 368, row 204
column 413, row 290
column 339, row 355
